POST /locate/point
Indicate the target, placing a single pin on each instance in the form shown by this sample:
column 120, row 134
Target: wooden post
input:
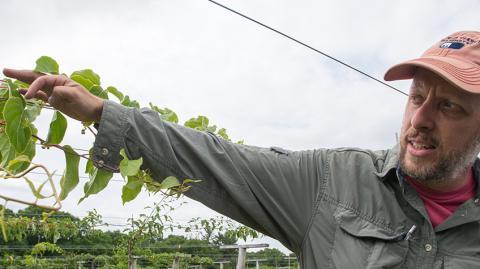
column 257, row 262
column 242, row 252
column 221, row 263
column 289, row 258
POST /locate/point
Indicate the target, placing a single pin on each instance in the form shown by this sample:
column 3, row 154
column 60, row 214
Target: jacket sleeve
column 269, row 189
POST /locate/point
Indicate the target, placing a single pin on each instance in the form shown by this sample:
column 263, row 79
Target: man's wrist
column 98, row 111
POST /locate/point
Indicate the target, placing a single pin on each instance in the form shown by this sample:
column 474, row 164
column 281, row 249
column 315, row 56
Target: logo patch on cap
column 452, row 45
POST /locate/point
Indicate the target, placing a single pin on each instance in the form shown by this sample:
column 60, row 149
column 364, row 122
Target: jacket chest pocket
column 363, row 244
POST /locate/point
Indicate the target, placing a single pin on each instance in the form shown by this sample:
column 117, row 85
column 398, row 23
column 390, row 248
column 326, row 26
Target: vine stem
column 85, row 150
column 44, row 143
column 55, row 193
column 6, row 198
column 22, row 174
column 55, row 207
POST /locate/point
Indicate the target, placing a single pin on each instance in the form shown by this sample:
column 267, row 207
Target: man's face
column 440, row 135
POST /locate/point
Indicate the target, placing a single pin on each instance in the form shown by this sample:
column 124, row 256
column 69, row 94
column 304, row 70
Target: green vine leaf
column 98, row 91
column 99, row 179
column 130, row 103
column 30, row 153
column 3, row 101
column 86, row 77
column 15, row 118
column 87, row 84
column 8, row 153
column 165, row 114
column 18, row 162
column 6, row 149
column 47, row 65
column 70, row 177
column 170, row 182
column 116, row 93
column 33, row 109
column 188, row 180
column 223, row 134
column 58, row 126
column 89, row 166
column 21, row 84
column 13, row 92
column 151, row 185
column 200, row 123
column 131, row 190
column 36, row 192
column 129, row 167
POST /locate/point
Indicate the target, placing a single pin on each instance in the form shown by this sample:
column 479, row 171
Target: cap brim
column 465, row 75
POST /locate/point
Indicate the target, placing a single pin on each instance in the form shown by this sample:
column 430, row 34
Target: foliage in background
column 152, row 238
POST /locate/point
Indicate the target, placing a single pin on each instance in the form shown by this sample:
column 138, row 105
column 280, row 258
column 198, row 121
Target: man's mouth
column 420, row 148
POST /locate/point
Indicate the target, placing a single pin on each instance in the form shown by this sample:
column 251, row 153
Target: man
column 414, row 206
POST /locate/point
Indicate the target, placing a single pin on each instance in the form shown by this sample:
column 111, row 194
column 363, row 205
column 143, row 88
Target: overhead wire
column 308, row 46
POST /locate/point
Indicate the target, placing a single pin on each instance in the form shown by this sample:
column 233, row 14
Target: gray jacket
column 335, row 208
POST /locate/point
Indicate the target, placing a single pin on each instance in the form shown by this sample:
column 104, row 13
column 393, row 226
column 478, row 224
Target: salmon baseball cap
column 456, row 58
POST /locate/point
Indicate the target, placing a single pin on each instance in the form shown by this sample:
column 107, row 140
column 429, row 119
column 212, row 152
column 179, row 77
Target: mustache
column 419, row 136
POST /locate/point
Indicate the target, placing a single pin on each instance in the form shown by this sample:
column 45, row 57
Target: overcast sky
column 196, row 58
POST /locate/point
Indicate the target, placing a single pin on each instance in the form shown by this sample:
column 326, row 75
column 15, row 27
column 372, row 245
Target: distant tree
column 33, row 211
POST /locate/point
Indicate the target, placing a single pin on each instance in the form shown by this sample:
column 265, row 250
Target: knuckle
column 40, row 81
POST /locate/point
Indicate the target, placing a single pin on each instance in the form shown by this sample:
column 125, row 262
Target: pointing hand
column 60, row 92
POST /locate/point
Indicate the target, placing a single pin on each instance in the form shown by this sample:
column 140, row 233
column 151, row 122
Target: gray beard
column 447, row 168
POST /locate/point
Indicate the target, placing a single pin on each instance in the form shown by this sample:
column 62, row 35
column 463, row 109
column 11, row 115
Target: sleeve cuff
column 110, row 137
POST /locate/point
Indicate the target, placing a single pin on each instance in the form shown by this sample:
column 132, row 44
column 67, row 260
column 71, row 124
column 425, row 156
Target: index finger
column 27, row 76
column 45, row 84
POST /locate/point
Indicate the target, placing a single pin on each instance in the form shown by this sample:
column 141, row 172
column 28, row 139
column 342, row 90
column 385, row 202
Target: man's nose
column 424, row 117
